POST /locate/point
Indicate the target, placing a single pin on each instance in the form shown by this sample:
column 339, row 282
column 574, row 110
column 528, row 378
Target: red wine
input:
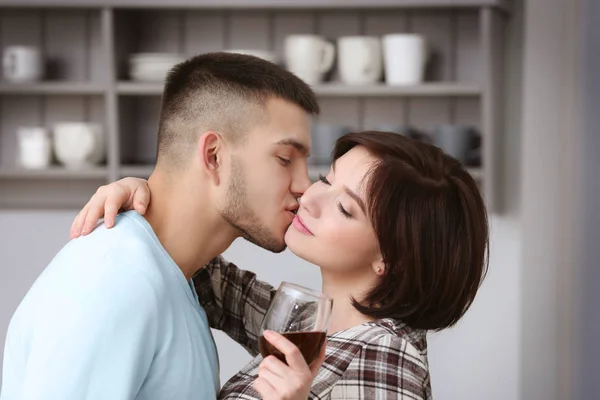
column 309, row 343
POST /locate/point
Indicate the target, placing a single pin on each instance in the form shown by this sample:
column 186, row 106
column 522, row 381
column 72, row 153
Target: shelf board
column 315, row 170
column 144, row 171
column 138, row 171
column 53, row 173
column 382, row 90
column 140, row 88
column 258, row 4
column 52, row 88
column 339, row 90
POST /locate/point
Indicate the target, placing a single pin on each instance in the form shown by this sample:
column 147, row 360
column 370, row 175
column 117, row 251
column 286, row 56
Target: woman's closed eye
column 340, row 207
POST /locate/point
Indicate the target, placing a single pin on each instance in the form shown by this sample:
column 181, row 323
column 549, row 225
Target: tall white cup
column 405, row 56
column 22, row 64
column 35, row 147
column 360, row 59
column 309, row 57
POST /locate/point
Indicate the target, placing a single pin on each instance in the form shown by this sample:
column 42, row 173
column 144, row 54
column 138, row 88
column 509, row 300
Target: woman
column 399, row 230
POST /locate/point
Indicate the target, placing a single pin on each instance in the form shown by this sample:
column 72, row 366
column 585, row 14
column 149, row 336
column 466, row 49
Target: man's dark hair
column 223, row 92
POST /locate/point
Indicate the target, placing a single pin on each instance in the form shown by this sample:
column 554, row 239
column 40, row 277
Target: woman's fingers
column 264, row 388
column 275, row 366
column 293, row 356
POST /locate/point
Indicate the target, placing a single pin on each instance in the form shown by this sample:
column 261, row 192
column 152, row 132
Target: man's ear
column 210, row 146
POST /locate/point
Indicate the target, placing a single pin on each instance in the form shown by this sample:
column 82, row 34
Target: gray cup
column 455, row 140
column 324, row 137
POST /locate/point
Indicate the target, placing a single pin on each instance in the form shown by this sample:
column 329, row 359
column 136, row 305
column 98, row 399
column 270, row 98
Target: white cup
column 79, row 144
column 22, row 64
column 35, row 147
column 404, row 56
column 360, row 59
column 309, row 57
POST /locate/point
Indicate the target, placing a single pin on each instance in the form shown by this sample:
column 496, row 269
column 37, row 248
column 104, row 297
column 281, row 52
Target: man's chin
column 274, row 246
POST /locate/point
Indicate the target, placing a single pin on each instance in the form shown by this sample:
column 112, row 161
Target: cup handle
column 328, row 57
column 372, row 53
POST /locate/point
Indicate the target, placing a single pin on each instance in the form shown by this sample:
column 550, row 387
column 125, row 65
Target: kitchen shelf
column 88, row 67
column 58, row 173
column 144, row 171
column 260, row 4
column 138, row 171
column 339, row 90
column 52, row 88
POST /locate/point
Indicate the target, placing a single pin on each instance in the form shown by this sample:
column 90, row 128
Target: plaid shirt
column 384, row 359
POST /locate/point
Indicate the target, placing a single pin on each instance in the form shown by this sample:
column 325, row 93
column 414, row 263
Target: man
column 114, row 316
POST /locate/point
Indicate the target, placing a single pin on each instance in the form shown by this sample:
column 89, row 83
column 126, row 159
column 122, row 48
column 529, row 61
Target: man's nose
column 300, row 183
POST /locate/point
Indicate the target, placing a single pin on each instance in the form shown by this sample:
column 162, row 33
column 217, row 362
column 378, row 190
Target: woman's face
column 332, row 228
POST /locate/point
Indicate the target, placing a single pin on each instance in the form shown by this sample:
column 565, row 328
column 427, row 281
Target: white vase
column 79, row 144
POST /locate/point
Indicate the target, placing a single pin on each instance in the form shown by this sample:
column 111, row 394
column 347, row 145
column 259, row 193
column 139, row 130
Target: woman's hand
column 126, row 194
column 278, row 381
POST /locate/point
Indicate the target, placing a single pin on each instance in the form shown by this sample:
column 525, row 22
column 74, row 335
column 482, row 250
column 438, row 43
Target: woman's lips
column 299, row 225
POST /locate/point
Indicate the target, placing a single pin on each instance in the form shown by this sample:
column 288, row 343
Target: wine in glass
column 301, row 315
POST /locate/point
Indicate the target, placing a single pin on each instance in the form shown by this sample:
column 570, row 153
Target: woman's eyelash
column 340, row 207
column 343, row 211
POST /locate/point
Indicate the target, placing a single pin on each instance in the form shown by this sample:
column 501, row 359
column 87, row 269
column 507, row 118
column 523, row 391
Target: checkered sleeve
column 234, row 300
column 387, row 367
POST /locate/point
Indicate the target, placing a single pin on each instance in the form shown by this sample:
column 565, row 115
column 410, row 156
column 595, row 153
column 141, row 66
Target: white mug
column 405, row 56
column 35, row 147
column 359, row 59
column 22, row 64
column 79, row 144
column 309, row 57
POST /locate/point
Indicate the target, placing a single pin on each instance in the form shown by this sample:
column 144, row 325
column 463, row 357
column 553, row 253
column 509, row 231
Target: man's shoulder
column 109, row 265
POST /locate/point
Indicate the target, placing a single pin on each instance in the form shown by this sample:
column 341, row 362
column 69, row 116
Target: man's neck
column 186, row 223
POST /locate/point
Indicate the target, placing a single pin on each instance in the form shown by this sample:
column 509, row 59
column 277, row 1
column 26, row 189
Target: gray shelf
column 89, row 63
column 139, row 88
column 57, row 173
column 315, row 170
column 52, row 88
column 258, row 4
column 144, row 171
column 138, row 171
column 339, row 90
column 427, row 89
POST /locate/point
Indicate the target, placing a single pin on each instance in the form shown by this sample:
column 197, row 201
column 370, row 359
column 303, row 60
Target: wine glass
column 301, row 315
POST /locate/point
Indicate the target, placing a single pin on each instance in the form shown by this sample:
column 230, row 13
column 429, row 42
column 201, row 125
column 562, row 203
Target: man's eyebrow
column 296, row 144
column 356, row 198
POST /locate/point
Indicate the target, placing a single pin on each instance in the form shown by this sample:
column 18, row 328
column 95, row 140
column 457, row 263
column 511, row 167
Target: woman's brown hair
column 431, row 223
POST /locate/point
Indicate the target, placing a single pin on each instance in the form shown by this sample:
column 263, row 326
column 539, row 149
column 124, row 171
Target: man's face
column 268, row 173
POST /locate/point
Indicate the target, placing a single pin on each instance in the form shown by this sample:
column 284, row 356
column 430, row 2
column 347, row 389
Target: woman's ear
column 379, row 267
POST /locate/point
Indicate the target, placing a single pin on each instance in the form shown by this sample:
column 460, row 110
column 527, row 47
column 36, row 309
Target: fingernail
column 268, row 334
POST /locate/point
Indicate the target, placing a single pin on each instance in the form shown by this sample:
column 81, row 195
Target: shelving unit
column 87, row 44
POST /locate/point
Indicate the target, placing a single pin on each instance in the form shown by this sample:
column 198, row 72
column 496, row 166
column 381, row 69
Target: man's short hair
column 223, row 92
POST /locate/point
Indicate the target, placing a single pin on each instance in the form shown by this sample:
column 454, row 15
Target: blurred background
column 507, row 87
